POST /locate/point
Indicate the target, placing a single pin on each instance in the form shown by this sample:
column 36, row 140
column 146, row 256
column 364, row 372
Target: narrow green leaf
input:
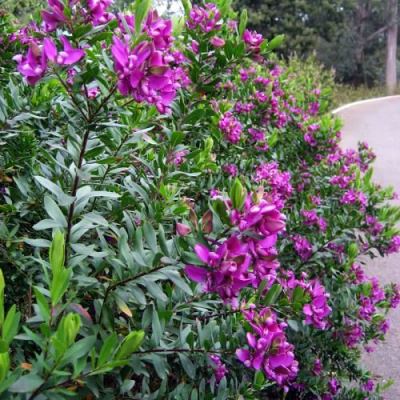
column 43, row 304
column 272, row 294
column 150, row 236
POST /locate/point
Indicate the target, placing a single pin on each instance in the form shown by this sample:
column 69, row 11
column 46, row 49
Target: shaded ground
column 378, row 123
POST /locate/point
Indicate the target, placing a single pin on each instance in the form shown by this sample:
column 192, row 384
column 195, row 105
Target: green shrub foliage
column 178, row 220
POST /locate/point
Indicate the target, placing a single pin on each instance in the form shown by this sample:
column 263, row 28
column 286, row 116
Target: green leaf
column 26, row 384
column 188, row 366
column 80, row 349
column 54, row 211
column 237, row 194
column 156, row 328
column 187, row 6
column 3, row 346
column 142, row 8
column 293, row 325
column 59, row 285
column 130, row 344
column 107, row 350
column 2, row 287
column 243, row 22
column 11, row 324
column 276, row 42
column 150, row 236
column 43, row 304
column 163, row 241
column 57, row 253
column 272, row 294
column 298, row 295
column 63, row 199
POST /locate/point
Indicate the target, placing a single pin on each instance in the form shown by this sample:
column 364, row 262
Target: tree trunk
column 363, row 11
column 391, row 49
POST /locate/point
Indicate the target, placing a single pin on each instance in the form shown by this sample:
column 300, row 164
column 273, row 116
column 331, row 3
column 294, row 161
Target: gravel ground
column 378, row 123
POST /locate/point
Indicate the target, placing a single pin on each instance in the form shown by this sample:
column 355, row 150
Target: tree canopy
column 348, row 35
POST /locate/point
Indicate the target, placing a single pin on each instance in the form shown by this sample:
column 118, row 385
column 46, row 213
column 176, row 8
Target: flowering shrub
column 178, row 219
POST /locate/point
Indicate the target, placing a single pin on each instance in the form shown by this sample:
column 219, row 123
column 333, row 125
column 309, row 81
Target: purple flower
column 374, row 226
column 318, row 310
column 311, row 219
column 68, row 56
column 303, row 247
column 278, row 182
column 220, row 369
column 182, row 229
column 54, row 16
column 394, row 246
column 253, row 40
column 334, row 386
column 230, row 169
column 313, row 108
column 261, row 217
column 26, row 34
column 146, row 73
column 195, row 46
column 215, row 193
column 227, row 269
column 178, row 157
column 353, row 334
column 368, row 386
column 359, row 275
column 384, row 326
column 207, row 18
column 244, row 108
column 231, row 128
column 268, row 348
column 93, row 92
column 217, row 42
column 343, row 181
column 310, row 139
column 395, row 296
column 32, row 66
column 317, row 368
column 98, row 11
column 352, row 197
column 159, row 30
column 257, row 135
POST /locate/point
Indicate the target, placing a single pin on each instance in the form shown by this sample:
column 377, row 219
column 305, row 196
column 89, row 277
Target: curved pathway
column 378, row 123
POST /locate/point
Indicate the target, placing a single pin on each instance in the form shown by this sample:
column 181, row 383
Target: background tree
column 392, row 40
column 348, row 35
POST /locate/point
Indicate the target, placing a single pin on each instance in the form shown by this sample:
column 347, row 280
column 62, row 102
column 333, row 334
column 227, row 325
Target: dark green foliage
column 346, row 34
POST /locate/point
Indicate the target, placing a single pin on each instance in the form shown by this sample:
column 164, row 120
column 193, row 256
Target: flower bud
column 183, row 229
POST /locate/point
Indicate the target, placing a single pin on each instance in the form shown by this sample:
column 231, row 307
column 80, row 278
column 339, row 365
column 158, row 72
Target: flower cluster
column 150, row 70
column 241, row 260
column 207, row 18
column 227, row 270
column 253, row 40
column 311, row 218
column 303, row 247
column 96, row 12
column 278, row 183
column 220, row 369
column 230, row 127
column 317, row 310
column 269, row 349
column 34, row 65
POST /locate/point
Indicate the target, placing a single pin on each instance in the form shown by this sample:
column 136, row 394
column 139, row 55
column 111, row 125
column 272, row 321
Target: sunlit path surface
column 378, row 123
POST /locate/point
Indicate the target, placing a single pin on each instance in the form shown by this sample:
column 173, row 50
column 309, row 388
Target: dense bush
column 178, row 220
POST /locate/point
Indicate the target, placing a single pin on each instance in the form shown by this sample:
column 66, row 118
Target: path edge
column 360, row 102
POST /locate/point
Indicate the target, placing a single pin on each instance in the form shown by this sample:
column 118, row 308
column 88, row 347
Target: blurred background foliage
column 346, row 36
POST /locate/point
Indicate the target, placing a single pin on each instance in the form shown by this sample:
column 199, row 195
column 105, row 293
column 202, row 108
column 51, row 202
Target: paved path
column 378, row 123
